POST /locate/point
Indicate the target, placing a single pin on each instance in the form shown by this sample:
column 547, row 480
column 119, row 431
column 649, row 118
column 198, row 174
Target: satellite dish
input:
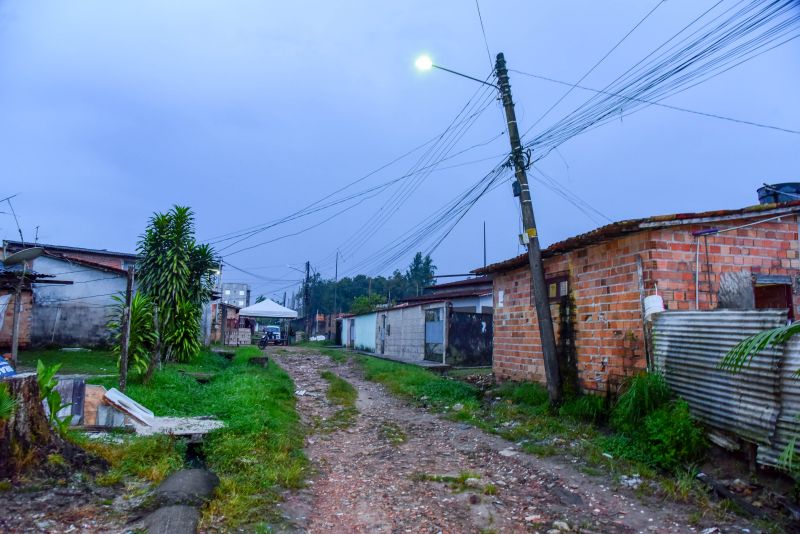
column 24, row 255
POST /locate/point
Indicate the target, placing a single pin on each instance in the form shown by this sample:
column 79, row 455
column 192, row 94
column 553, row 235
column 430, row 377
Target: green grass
column 95, row 362
column 340, row 391
column 258, row 452
column 418, row 384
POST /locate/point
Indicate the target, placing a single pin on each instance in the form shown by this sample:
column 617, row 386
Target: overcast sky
column 249, row 111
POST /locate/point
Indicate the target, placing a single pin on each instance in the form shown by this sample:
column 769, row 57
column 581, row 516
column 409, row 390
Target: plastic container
column 653, row 304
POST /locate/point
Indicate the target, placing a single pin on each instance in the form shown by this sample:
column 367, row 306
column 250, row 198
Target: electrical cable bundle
column 700, row 51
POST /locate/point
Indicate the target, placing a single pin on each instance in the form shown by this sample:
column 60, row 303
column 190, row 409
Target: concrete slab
column 176, row 519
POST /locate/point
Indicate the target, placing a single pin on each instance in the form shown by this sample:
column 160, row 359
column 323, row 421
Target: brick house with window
column 745, row 258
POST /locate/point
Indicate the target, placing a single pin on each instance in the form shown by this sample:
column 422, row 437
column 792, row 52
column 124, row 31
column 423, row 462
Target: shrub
column 673, row 437
column 142, row 338
column 642, row 395
column 589, row 408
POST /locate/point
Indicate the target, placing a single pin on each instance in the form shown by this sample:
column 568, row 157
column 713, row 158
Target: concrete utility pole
column 306, row 305
column 540, row 294
column 125, row 327
column 335, row 283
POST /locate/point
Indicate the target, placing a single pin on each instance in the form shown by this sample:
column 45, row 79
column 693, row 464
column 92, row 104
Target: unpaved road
column 375, row 475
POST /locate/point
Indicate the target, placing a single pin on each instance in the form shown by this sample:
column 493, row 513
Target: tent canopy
column 268, row 308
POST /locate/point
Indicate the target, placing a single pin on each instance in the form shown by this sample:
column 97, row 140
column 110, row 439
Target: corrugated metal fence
column 761, row 403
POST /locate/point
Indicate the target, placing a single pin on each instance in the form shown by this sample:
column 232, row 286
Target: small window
column 241, row 303
column 241, row 293
column 227, row 291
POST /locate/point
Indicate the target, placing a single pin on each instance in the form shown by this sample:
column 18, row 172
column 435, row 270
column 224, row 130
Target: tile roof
column 618, row 229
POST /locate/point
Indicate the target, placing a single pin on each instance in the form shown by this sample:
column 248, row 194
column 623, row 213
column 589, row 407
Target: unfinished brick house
column 745, row 258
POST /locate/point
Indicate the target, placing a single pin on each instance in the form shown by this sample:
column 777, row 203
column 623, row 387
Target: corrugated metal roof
column 618, row 229
column 18, row 244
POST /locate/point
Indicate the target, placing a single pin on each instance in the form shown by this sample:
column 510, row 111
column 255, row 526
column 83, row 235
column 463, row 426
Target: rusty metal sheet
column 688, row 346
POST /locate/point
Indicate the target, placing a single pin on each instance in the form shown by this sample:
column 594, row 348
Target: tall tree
column 177, row 274
column 420, row 273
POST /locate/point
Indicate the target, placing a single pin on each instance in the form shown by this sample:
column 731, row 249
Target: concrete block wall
column 405, row 335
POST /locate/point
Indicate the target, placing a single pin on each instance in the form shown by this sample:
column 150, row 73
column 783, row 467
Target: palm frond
column 743, row 353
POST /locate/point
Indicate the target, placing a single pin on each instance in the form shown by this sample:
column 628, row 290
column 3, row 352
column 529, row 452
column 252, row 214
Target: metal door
column 383, row 334
column 434, row 335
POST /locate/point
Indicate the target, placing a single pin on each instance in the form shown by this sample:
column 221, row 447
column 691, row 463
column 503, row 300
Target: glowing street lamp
column 424, row 63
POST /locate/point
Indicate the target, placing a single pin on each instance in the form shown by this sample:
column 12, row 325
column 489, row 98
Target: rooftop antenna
column 36, row 238
column 16, row 221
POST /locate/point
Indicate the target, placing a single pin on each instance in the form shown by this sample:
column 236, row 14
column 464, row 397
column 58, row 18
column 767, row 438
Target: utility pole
column 125, row 328
column 539, row 287
column 15, row 320
column 484, row 243
column 306, row 306
column 335, row 283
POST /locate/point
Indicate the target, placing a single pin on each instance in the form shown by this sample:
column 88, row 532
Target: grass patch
column 336, row 355
column 258, row 452
column 418, row 384
column 340, row 391
column 95, row 362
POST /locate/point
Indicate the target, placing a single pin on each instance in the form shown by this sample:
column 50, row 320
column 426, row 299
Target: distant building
column 236, row 294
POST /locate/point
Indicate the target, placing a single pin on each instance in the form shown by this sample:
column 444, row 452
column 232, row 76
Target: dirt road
column 398, row 468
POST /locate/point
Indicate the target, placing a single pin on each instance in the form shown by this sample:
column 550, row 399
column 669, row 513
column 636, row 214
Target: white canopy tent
column 268, row 309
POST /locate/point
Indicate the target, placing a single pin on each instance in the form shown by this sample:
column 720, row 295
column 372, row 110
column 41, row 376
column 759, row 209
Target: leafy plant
column 183, row 336
column 7, row 404
column 673, row 438
column 743, row 353
column 142, row 338
column 177, row 274
column 642, row 395
column 46, row 377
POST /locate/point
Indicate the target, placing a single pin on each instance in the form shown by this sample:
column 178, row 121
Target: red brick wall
column 109, row 261
column 24, row 321
column 768, row 248
column 605, row 286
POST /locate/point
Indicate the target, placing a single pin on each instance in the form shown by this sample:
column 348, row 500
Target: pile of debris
column 95, row 408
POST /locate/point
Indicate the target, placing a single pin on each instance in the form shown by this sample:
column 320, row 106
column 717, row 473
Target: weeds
column 642, row 395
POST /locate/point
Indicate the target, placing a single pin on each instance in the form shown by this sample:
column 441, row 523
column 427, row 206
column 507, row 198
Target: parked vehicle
column 272, row 335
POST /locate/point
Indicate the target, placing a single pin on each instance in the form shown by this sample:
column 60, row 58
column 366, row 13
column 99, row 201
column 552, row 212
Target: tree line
column 361, row 293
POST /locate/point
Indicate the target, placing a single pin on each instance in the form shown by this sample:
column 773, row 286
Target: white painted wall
column 73, row 314
column 365, row 332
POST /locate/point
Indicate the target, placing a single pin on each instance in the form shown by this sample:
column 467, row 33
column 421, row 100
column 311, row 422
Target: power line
column 588, row 72
column 659, row 104
column 483, row 31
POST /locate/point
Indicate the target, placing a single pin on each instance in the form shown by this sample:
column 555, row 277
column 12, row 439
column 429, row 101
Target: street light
column 425, row 63
column 530, row 236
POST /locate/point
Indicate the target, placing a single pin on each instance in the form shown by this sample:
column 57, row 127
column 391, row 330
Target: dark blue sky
column 248, row 111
